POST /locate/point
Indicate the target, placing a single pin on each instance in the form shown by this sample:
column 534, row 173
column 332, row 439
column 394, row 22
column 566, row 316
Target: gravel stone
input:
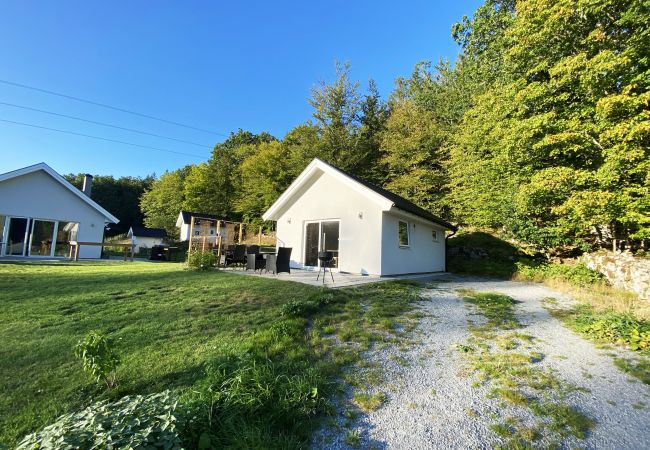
column 434, row 402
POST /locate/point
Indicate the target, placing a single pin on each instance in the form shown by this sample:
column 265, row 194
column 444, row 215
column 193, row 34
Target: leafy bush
column 98, row 358
column 622, row 329
column 297, row 308
column 149, row 421
column 202, row 260
column 578, row 274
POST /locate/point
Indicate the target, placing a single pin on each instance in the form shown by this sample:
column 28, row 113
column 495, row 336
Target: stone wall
column 622, row 270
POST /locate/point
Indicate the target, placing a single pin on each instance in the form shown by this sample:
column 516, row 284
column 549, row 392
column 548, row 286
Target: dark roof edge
column 187, row 215
column 399, row 202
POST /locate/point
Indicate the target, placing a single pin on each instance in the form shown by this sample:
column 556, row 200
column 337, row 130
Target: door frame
column 320, row 235
column 55, row 229
column 26, row 237
column 26, row 253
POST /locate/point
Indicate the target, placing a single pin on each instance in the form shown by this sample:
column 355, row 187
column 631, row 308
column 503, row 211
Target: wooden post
column 203, row 245
column 218, row 251
column 259, row 236
column 218, row 241
column 241, row 232
column 189, row 248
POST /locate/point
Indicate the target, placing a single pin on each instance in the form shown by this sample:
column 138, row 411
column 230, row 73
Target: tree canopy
column 119, row 196
column 540, row 127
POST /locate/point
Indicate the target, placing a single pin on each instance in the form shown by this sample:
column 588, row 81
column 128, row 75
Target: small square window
column 434, row 235
column 403, row 234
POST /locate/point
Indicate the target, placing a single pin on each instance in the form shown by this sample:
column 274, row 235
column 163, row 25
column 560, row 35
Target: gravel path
column 432, row 403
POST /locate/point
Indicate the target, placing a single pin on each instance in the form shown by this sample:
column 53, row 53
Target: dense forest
column 540, row 129
column 120, row 196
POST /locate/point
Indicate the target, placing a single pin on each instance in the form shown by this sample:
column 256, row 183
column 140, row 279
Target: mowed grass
column 253, row 361
column 168, row 323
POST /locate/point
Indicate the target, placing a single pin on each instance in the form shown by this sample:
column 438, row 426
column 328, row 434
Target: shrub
column 297, row 308
column 98, row 358
column 578, row 274
column 202, row 260
column 622, row 329
column 149, row 421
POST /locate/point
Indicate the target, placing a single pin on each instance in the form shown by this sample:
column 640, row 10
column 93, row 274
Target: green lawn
column 169, row 325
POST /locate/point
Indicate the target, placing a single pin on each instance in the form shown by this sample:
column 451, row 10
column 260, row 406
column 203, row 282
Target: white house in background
column 369, row 230
column 206, row 227
column 143, row 237
column 40, row 212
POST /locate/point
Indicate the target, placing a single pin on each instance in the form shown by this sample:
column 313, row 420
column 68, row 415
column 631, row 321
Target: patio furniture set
column 252, row 257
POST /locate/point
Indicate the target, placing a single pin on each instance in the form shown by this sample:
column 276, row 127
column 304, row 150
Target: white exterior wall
column 423, row 253
column 38, row 196
column 328, row 199
column 185, row 232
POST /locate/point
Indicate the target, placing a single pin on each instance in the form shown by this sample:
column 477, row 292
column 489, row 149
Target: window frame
column 408, row 234
column 435, row 235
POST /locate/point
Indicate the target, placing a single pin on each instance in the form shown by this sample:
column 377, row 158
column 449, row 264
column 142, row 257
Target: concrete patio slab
column 340, row 279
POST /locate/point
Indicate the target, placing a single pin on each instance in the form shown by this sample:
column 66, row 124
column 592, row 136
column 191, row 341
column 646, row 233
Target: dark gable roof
column 398, row 201
column 187, row 216
column 149, row 232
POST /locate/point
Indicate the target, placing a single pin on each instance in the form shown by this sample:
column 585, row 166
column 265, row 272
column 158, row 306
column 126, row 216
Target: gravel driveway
column 434, row 402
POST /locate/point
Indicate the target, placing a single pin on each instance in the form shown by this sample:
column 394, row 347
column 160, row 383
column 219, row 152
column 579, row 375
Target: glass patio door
column 42, row 238
column 321, row 236
column 17, row 237
column 311, row 244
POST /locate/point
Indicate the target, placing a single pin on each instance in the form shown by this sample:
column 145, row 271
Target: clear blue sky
column 213, row 65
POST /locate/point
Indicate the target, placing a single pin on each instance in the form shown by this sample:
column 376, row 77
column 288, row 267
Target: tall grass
column 507, row 260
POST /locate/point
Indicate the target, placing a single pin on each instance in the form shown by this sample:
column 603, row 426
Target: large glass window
column 330, row 240
column 2, row 233
column 403, row 232
column 66, row 232
column 16, row 236
column 41, row 239
column 311, row 244
column 321, row 236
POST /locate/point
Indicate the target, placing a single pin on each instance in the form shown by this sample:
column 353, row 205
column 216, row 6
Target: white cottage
column 369, row 230
column 40, row 212
column 204, row 224
column 143, row 237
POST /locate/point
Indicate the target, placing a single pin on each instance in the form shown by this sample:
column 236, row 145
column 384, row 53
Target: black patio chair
column 252, row 249
column 280, row 262
column 255, row 261
column 237, row 256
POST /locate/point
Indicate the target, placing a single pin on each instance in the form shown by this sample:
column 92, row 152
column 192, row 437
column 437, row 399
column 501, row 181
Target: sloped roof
column 148, row 232
column 393, row 199
column 53, row 173
column 187, row 216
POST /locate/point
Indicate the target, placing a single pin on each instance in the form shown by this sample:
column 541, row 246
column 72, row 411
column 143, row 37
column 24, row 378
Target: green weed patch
column 497, row 360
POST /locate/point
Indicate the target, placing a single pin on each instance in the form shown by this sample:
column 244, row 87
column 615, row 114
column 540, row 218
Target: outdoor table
column 76, row 245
